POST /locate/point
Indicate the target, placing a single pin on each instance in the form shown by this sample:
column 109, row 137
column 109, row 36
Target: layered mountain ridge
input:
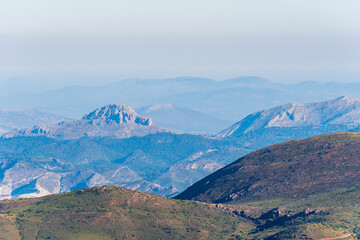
column 340, row 111
column 114, row 120
column 184, row 119
column 15, row 118
column 115, row 145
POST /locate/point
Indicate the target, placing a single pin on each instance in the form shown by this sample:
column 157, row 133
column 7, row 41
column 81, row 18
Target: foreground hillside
column 292, row 169
column 116, row 213
column 113, row 213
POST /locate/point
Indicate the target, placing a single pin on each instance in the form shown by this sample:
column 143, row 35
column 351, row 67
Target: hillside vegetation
column 114, row 213
column 292, row 169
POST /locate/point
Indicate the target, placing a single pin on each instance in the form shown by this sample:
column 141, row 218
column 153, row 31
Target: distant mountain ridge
column 16, row 119
column 115, row 145
column 343, row 111
column 206, row 95
column 114, row 120
column 183, row 119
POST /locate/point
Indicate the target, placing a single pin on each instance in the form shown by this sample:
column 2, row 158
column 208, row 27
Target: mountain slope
column 37, row 166
column 215, row 98
column 183, row 119
column 114, row 213
column 293, row 169
column 340, row 111
column 112, row 120
column 12, row 118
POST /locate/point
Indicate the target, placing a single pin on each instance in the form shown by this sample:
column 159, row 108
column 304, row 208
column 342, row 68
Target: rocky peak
column 117, row 114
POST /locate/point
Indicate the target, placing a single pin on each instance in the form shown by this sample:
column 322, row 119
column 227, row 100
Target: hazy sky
column 283, row 40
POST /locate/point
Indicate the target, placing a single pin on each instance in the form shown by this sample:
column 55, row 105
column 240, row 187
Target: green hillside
column 114, row 213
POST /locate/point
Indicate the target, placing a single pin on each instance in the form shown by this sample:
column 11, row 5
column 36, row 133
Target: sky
column 91, row 42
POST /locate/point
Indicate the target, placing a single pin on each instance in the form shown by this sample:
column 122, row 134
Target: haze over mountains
column 315, row 180
column 227, row 100
column 115, row 145
column 12, row 118
column 110, row 145
column 183, row 119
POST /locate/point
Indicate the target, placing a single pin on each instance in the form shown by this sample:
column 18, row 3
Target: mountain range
column 115, row 145
column 231, row 99
column 295, row 121
column 298, row 189
column 110, row 145
column 112, row 120
column 340, row 111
